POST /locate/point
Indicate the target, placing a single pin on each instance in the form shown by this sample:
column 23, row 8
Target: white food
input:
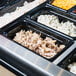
column 45, row 47
column 52, row 21
column 9, row 17
column 72, row 67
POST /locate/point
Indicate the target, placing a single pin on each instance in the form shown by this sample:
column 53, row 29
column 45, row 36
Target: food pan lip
column 49, row 3
column 29, row 15
column 71, row 53
column 51, row 59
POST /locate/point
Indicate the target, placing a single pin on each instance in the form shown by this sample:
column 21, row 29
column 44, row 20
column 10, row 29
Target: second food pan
column 47, row 16
column 12, row 30
column 69, row 62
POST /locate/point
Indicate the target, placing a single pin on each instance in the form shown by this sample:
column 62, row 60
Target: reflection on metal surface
column 20, row 52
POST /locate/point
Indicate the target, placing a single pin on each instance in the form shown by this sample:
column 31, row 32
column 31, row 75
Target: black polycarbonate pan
column 60, row 10
column 71, row 58
column 10, row 31
column 44, row 10
column 55, row 7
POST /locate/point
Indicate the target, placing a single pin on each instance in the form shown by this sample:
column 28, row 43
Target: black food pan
column 49, row 3
column 44, row 10
column 70, row 59
column 11, row 29
column 60, row 10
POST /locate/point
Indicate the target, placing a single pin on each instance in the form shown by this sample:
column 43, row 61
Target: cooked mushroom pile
column 45, row 47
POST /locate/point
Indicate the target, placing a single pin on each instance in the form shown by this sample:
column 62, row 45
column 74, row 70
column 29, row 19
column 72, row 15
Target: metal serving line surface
column 16, row 52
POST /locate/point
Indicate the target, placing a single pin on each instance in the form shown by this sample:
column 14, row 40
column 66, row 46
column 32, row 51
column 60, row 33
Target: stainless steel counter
column 33, row 60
